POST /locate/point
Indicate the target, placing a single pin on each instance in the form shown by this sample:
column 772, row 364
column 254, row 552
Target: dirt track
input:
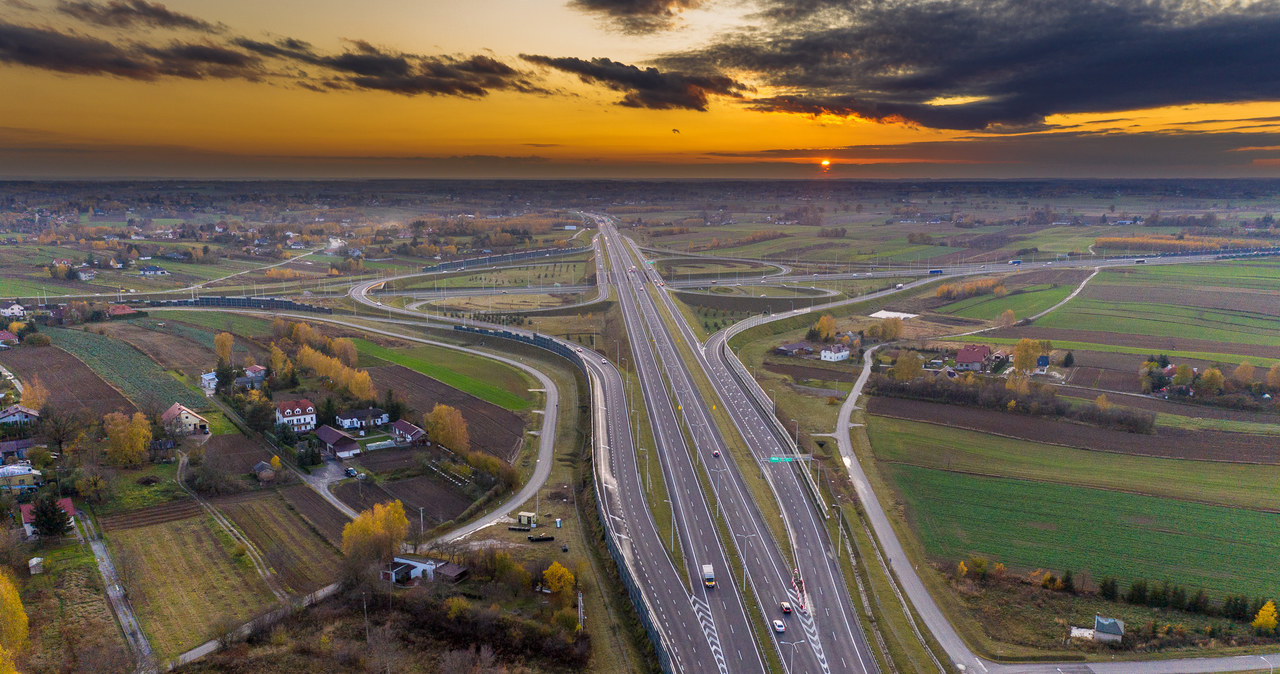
column 1167, row 443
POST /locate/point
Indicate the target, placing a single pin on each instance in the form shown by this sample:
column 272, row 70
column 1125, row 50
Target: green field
column 1261, row 274
column 1025, row 524
column 1027, row 302
column 127, row 369
column 933, row 446
column 483, row 378
column 1135, row 318
column 1211, row 356
column 249, row 326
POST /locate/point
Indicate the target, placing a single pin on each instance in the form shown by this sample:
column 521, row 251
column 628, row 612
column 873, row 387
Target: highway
column 679, row 615
column 823, row 633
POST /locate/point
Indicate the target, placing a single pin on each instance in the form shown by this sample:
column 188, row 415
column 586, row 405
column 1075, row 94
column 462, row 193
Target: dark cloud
column 1008, row 63
column 647, row 88
column 362, row 66
column 638, row 16
column 128, row 13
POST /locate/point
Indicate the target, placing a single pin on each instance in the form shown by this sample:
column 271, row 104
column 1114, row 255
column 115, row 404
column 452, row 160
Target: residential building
column 340, row 444
column 300, row 414
column 153, row 270
column 181, row 420
column 406, row 433
column 86, row 274
column 370, row 417
column 973, row 357
column 209, row 382
column 7, row 337
column 16, row 448
column 1042, row 364
column 419, row 566
column 1108, row 630
column 835, row 353
column 29, row 518
column 120, row 310
column 19, row 477
column 12, row 310
column 17, row 414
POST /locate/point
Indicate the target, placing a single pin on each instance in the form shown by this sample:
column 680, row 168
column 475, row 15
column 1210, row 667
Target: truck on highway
column 935, row 271
column 1015, row 262
column 708, row 575
column 899, row 286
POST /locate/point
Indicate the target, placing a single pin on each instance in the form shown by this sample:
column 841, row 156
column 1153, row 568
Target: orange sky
column 58, row 123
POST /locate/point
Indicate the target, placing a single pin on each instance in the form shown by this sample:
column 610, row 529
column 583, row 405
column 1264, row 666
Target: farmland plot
column 493, row 430
column 187, row 582
column 304, row 560
column 72, row 385
column 321, row 514
column 139, row 377
column 1024, row 523
column 440, row 502
column 235, row 452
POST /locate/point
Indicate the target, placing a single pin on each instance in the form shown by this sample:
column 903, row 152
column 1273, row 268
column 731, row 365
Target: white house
column 12, row 310
column 419, row 566
column 153, row 270
column 181, row 419
column 836, row 353
column 371, row 417
column 300, row 414
column 209, row 382
column 17, row 414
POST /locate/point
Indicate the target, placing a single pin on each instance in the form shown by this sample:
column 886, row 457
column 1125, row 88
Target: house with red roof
column 29, row 515
column 973, row 357
column 299, row 414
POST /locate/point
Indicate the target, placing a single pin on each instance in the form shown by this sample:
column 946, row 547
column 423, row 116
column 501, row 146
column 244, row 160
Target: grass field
column 1024, row 524
column 1135, row 318
column 1030, row 301
column 298, row 553
column 249, row 326
column 932, row 446
column 1261, row 274
column 71, row 625
column 483, row 378
column 189, row 583
column 128, row 493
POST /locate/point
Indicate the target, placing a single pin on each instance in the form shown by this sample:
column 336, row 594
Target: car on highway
column 715, row 453
column 785, row 606
column 779, row 626
column 604, row 361
column 579, row 349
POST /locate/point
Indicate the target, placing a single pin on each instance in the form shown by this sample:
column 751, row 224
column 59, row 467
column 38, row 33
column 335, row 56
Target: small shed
column 527, row 519
column 1107, row 630
column 419, row 566
column 36, row 566
column 396, row 572
column 264, row 471
column 450, row 572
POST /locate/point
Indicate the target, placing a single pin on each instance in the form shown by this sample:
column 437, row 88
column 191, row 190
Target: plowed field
column 72, row 384
column 236, row 453
column 319, row 512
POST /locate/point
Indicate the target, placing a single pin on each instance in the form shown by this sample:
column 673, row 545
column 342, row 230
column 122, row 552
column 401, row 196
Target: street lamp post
column 1270, row 666
column 793, row 645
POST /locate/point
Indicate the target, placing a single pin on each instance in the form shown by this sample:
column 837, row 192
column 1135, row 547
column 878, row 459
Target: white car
column 604, row 361
column 779, row 626
column 579, row 349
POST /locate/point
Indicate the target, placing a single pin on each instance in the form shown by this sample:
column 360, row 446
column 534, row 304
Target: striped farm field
column 187, row 584
column 1029, row 525
column 297, row 552
column 1027, row 302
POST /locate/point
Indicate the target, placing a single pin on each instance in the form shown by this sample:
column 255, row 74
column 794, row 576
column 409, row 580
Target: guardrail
column 628, row 575
column 504, row 257
column 241, row 303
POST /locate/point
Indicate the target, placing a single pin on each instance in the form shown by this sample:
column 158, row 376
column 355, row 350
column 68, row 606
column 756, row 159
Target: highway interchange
column 718, row 630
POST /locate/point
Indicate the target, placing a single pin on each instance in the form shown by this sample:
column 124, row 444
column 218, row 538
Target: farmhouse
column 86, row 274
column 973, row 357
column 300, row 414
column 366, row 418
column 29, row 516
column 340, row 444
column 835, row 354
column 1108, row 630
column 419, row 566
column 119, row 311
column 16, row 448
column 19, row 477
column 17, row 414
column 7, row 337
column 406, row 433
column 12, row 310
column 181, row 420
column 794, row 349
column 1042, row 364
column 152, row 270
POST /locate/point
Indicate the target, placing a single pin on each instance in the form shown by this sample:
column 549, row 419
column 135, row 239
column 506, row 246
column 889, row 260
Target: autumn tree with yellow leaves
column 13, row 619
column 222, row 346
column 375, row 534
column 34, row 393
column 447, row 426
column 127, row 438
